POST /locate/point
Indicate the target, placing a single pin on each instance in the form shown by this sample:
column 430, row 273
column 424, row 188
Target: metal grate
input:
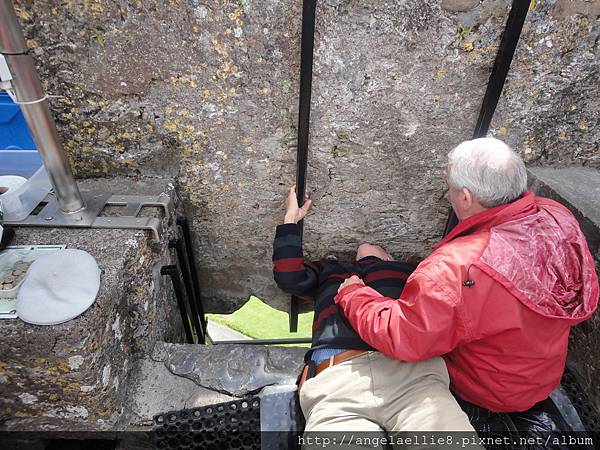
column 587, row 413
column 231, row 425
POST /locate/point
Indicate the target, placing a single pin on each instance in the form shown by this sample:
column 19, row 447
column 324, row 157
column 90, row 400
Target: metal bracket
column 51, row 215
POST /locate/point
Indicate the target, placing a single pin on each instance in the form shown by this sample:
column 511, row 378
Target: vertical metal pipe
column 30, row 95
column 12, row 40
column 306, row 66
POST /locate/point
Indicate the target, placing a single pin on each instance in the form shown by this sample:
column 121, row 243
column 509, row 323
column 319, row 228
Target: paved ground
column 219, row 332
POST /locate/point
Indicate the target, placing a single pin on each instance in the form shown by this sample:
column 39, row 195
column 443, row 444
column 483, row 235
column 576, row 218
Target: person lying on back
column 346, row 385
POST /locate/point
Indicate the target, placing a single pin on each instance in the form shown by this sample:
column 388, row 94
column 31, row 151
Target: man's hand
column 350, row 281
column 293, row 213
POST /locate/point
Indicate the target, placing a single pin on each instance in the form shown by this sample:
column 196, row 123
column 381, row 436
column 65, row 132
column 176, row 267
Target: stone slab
column 219, row 332
column 578, row 188
column 182, row 376
column 236, row 370
column 74, row 376
column 157, row 390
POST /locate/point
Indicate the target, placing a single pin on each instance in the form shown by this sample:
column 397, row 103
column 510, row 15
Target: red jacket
column 497, row 299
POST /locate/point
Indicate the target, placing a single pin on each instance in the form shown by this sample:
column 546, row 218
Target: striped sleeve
column 291, row 272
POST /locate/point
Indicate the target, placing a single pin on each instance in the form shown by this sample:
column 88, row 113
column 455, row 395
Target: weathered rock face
column 77, row 374
column 236, row 370
column 579, row 190
column 207, row 90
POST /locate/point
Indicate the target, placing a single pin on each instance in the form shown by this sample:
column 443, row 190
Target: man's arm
column 291, row 273
column 425, row 322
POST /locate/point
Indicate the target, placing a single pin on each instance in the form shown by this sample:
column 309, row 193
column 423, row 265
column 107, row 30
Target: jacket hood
column 537, row 251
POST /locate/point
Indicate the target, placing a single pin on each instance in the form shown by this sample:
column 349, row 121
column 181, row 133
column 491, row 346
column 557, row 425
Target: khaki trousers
column 373, row 393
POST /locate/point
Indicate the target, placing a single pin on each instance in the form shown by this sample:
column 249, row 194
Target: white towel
column 58, row 287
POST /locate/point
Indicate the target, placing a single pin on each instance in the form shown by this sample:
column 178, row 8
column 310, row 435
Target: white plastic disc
column 58, row 287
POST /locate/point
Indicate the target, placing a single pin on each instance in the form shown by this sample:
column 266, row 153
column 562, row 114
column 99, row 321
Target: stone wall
column 206, row 91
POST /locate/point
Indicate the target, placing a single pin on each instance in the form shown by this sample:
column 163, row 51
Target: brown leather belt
column 332, row 361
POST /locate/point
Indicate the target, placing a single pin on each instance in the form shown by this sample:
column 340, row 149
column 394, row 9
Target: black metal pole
column 506, row 51
column 172, row 272
column 504, row 57
column 294, row 311
column 177, row 244
column 182, row 221
column 306, row 65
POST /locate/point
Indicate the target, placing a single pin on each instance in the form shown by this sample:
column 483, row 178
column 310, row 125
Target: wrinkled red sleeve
column 425, row 322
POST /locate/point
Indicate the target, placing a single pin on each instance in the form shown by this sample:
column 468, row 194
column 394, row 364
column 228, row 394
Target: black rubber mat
column 587, row 413
column 236, row 424
column 231, row 425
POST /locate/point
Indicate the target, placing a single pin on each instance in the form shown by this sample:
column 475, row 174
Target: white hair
column 489, row 169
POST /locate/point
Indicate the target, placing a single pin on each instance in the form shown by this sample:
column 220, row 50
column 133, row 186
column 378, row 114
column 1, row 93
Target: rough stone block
column 236, row 370
column 579, row 189
column 75, row 375
column 183, row 376
column 155, row 390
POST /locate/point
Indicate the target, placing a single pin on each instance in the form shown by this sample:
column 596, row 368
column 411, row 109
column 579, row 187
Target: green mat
column 259, row 321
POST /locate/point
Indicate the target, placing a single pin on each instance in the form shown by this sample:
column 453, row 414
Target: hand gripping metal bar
column 306, row 66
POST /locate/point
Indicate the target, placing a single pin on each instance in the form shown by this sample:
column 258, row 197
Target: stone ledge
column 182, row 376
column 156, row 390
column 75, row 375
column 578, row 188
column 236, row 370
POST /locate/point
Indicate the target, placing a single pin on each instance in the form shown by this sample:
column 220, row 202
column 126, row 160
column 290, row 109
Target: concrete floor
column 219, row 332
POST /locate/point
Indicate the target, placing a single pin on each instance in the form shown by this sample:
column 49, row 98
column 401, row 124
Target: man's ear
column 467, row 197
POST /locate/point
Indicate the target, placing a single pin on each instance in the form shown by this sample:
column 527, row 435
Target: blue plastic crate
column 18, row 154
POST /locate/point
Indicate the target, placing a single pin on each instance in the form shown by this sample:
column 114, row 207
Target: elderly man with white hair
column 496, row 298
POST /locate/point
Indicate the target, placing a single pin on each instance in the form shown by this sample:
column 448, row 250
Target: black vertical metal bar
column 177, row 244
column 294, row 307
column 306, row 66
column 504, row 57
column 506, row 51
column 173, row 273
column 182, row 221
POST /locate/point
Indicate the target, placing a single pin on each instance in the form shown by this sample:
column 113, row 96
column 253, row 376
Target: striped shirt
column 320, row 280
